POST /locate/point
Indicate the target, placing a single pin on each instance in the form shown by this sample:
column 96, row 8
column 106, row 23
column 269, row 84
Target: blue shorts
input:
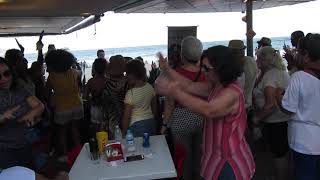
column 306, row 166
column 143, row 126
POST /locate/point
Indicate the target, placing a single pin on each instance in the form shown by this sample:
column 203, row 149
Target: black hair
column 227, row 67
column 59, row 60
column 310, row 44
column 99, row 65
column 13, row 56
column 139, row 58
column 137, row 69
column 13, row 73
column 297, row 34
column 127, row 59
column 99, row 51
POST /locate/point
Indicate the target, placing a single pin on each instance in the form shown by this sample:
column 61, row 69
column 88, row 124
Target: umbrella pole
column 250, row 32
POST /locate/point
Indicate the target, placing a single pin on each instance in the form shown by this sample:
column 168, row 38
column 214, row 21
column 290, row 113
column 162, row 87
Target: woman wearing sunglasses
column 226, row 154
column 17, row 111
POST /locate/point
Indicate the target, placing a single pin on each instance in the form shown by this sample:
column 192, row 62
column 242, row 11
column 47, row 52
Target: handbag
column 184, row 122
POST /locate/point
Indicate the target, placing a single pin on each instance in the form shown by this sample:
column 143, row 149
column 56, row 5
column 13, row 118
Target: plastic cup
column 102, row 139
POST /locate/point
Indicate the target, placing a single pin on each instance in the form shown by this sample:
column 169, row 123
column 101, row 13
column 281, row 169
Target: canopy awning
column 30, row 17
column 198, row 6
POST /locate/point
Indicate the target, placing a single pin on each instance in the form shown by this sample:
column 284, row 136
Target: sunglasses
column 206, row 68
column 5, row 74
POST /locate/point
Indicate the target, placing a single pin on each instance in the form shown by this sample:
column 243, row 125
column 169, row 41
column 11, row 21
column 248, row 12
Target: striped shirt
column 224, row 141
column 140, row 99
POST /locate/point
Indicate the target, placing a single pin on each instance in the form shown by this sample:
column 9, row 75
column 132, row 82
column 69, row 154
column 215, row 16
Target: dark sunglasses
column 206, row 68
column 5, row 74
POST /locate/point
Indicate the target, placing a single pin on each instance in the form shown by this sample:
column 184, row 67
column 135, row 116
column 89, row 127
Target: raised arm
column 20, row 46
column 196, row 88
column 226, row 103
column 40, row 53
column 39, row 45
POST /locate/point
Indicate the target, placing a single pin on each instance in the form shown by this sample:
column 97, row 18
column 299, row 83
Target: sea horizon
column 148, row 52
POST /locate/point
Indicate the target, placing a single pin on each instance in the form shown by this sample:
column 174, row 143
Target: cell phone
column 134, row 158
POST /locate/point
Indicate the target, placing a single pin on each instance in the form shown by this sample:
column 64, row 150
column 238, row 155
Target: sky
column 128, row 30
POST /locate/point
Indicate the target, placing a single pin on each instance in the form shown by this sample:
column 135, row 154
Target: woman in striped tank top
column 225, row 152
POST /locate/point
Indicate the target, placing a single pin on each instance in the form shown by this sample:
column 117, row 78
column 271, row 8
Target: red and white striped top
column 224, row 141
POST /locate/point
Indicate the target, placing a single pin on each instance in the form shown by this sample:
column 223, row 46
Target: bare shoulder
column 232, row 97
column 231, row 93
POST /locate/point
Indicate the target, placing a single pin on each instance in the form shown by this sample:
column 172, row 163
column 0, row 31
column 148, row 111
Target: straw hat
column 264, row 41
column 236, row 44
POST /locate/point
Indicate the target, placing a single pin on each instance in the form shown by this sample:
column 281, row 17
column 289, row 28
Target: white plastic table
column 160, row 165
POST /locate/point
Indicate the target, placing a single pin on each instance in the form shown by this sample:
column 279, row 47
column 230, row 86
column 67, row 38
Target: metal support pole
column 249, row 28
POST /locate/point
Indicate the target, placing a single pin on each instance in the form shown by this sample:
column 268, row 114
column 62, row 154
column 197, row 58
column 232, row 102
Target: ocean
column 147, row 52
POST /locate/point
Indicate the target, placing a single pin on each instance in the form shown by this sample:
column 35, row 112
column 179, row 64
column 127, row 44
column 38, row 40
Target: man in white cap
column 250, row 70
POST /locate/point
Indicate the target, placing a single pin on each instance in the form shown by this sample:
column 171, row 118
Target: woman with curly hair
column 114, row 93
column 67, row 105
column 272, row 78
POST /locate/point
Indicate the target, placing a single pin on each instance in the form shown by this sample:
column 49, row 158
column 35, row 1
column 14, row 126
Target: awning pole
column 249, row 28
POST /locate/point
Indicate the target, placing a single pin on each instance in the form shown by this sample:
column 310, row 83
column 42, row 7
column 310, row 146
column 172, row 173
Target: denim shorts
column 62, row 118
column 143, row 126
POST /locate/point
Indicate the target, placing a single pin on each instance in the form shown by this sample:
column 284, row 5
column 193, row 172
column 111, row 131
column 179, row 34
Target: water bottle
column 118, row 134
column 130, row 141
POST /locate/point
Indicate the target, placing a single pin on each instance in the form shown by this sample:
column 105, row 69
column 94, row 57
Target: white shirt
column 248, row 78
column 17, row 173
column 273, row 78
column 302, row 98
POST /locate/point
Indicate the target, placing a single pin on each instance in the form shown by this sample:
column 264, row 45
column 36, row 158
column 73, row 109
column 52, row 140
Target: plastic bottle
column 118, row 134
column 130, row 141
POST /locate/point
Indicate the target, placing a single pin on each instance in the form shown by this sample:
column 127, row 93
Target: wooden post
column 249, row 28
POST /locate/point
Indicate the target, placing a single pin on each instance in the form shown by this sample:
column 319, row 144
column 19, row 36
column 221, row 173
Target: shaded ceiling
column 197, row 6
column 30, row 17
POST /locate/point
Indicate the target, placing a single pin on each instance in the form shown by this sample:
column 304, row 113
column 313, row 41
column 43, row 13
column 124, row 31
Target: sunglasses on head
column 5, row 74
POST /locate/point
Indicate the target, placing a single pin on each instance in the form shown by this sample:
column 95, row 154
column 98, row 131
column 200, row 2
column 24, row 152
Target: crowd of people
column 209, row 104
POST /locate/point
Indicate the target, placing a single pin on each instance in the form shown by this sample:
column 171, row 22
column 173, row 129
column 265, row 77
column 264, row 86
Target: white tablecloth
column 160, row 165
